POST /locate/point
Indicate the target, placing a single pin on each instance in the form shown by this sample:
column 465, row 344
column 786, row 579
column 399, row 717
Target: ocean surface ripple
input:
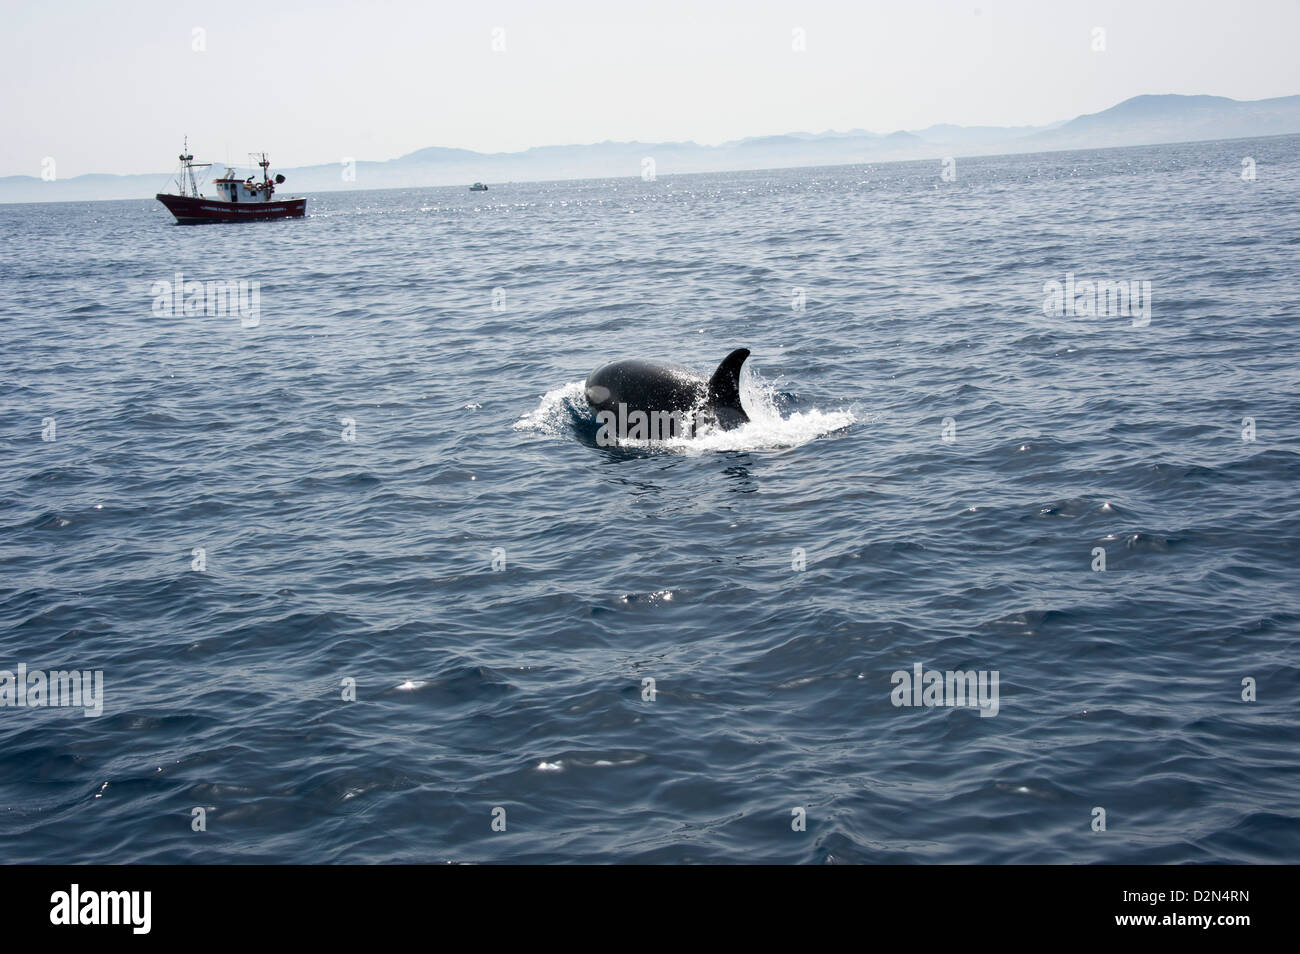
column 933, row 465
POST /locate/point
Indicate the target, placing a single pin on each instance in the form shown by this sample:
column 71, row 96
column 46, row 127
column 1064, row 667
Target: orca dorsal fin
column 724, row 386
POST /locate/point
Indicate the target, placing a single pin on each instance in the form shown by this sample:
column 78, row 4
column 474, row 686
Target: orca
column 631, row 393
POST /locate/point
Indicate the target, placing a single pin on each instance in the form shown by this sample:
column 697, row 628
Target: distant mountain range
column 1142, row 120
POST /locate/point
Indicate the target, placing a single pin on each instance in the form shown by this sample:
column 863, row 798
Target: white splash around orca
column 567, row 410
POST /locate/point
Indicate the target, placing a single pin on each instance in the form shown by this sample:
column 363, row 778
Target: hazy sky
column 113, row 86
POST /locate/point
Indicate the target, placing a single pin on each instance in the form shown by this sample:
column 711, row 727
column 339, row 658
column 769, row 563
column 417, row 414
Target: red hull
column 191, row 211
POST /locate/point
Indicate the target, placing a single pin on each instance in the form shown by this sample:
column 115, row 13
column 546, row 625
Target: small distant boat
column 478, row 187
column 241, row 200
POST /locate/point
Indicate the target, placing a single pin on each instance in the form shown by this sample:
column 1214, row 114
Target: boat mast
column 186, row 182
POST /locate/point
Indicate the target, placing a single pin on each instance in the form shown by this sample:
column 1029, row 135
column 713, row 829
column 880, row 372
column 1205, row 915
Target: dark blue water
column 521, row 687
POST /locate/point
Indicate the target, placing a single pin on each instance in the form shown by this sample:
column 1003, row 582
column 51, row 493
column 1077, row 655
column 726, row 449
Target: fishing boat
column 239, row 200
column 478, row 187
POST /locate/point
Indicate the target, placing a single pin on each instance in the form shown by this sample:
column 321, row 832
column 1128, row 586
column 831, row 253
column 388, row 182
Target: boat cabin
column 232, row 189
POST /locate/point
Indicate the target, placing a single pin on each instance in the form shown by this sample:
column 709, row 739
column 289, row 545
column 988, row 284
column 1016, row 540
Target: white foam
column 766, row 427
column 553, row 414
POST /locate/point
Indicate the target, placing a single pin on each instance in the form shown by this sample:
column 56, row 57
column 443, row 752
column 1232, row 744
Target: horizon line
column 692, row 142
column 708, row 172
